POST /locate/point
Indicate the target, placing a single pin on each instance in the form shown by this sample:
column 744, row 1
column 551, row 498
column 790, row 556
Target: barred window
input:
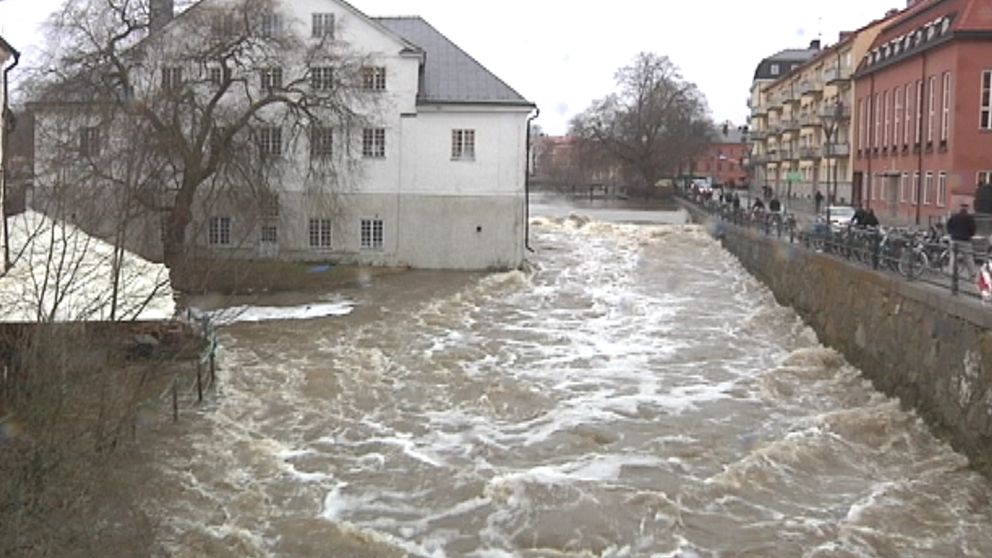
column 374, row 143
column 320, row 233
column 270, row 234
column 321, row 141
column 945, row 111
column 985, row 119
column 271, row 25
column 219, row 231
column 270, row 141
column 89, row 141
column 323, row 25
column 322, row 78
column 463, row 145
column 172, row 78
column 374, row 78
column 271, row 78
column 372, row 234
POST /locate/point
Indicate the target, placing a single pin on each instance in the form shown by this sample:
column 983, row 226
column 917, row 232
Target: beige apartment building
column 800, row 131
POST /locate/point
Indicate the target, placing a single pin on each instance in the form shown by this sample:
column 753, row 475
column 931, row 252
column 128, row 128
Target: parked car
column 840, row 215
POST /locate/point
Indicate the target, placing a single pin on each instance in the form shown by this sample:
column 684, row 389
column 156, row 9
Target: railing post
column 876, row 245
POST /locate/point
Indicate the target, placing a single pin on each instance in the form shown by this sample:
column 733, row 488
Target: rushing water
column 634, row 393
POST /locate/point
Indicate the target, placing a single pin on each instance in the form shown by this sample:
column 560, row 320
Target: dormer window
column 775, row 69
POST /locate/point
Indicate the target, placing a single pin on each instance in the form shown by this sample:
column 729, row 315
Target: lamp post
column 746, row 160
column 831, row 121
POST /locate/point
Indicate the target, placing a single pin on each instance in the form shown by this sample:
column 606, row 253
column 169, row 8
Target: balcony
column 759, row 110
column 810, row 119
column 837, row 151
column 758, row 135
column 811, row 87
column 790, row 124
column 836, row 75
column 809, row 153
column 786, row 154
column 841, row 112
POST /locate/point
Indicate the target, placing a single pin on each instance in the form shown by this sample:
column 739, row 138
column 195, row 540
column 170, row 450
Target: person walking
column 818, row 201
column 961, row 227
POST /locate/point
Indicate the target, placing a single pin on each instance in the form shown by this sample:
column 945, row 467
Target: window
column 322, row 78
column 172, row 78
column 919, row 113
column 321, row 142
column 374, row 78
column 915, row 193
column 463, row 145
column 903, row 187
column 862, row 142
column 219, row 231
column 271, row 25
column 909, row 113
column 89, row 141
column 878, row 120
column 225, row 25
column 271, row 78
column 927, row 188
column 885, row 116
column 323, row 25
column 320, row 233
column 945, row 107
column 775, row 69
column 897, row 117
column 270, row 141
column 984, row 177
column 270, row 234
column 215, row 74
column 374, row 143
column 985, row 112
column 931, row 106
column 941, row 189
column 372, row 234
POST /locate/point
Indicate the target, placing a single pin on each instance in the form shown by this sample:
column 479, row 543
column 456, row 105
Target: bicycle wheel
column 913, row 263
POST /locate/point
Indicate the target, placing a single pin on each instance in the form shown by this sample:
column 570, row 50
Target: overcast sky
column 561, row 54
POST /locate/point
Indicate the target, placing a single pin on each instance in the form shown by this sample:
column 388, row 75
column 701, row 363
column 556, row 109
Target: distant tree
column 208, row 110
column 651, row 126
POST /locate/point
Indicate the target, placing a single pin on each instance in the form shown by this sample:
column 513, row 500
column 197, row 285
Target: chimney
column 814, row 44
column 159, row 14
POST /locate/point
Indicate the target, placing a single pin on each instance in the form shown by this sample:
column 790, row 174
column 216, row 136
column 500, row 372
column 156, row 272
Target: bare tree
column 654, row 122
column 216, row 108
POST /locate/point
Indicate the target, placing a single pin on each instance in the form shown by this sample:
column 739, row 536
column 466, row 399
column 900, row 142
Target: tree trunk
column 176, row 221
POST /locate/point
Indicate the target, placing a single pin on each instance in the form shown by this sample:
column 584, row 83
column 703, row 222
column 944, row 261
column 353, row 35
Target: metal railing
column 912, row 254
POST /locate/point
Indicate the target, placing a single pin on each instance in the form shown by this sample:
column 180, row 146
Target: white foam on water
column 310, row 311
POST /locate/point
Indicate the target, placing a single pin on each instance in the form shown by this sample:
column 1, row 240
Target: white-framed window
column 319, row 232
column 903, row 187
column 219, row 231
column 216, row 75
column 919, row 112
column 985, row 102
column 941, row 189
column 321, row 142
column 270, row 141
column 270, row 25
column 269, row 234
column 945, row 108
column 271, row 78
column 878, row 120
column 775, row 69
column 89, row 141
column 885, row 116
column 897, row 117
column 863, row 131
column 372, row 234
column 927, row 188
column 463, row 145
column 172, row 78
column 909, row 115
column 374, row 143
column 984, row 177
column 374, row 78
column 322, row 78
column 323, row 25
column 931, row 106
column 915, row 193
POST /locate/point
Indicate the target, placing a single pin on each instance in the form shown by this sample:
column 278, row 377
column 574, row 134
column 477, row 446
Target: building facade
column 725, row 158
column 8, row 59
column 434, row 176
column 924, row 111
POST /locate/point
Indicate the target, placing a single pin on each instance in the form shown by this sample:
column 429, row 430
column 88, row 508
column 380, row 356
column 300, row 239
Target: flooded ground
column 633, row 393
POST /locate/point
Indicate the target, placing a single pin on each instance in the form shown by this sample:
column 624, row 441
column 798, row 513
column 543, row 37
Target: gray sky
column 561, row 54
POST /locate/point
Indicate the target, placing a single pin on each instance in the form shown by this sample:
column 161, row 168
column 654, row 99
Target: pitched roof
column 6, row 46
column 450, row 74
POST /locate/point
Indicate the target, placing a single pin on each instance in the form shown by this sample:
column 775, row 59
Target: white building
column 8, row 59
column 437, row 181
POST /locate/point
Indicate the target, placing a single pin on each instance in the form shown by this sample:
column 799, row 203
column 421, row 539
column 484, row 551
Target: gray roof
column 800, row 54
column 786, row 59
column 450, row 75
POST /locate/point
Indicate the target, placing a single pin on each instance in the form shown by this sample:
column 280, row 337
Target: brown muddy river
column 634, row 393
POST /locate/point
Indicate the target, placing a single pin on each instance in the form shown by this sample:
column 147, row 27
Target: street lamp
column 831, row 122
column 746, row 159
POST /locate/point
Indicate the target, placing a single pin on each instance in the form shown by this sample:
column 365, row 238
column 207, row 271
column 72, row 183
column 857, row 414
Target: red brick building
column 923, row 101
column 724, row 159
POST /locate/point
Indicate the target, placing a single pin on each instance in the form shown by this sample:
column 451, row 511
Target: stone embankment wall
column 916, row 342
